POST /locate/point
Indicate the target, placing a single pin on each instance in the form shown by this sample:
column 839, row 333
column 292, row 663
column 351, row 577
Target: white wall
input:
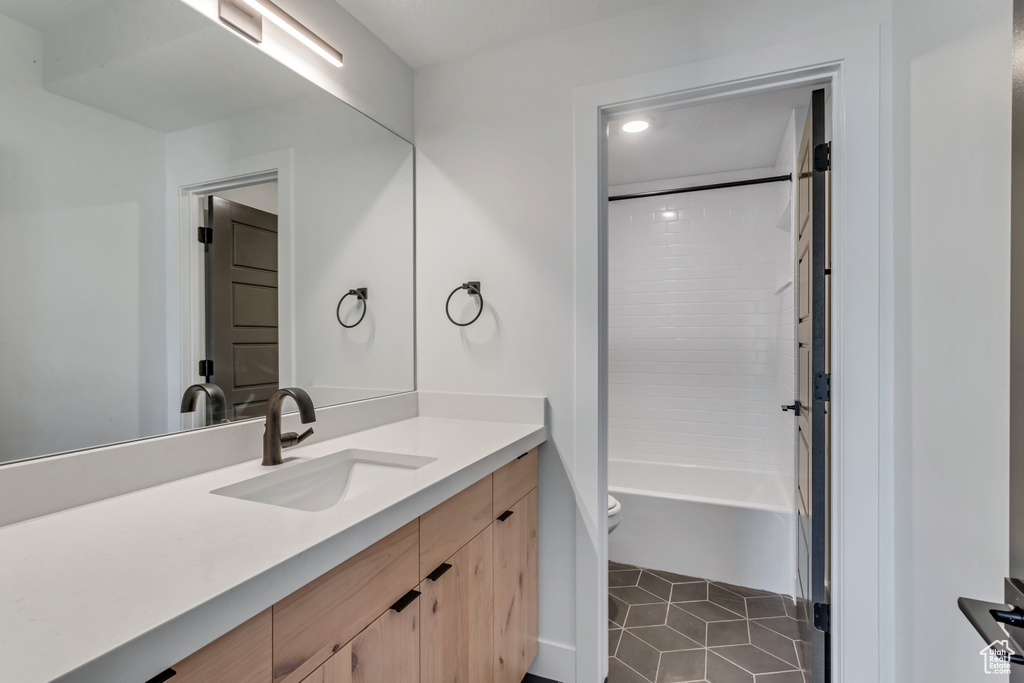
column 494, row 133
column 693, row 318
column 81, row 266
column 951, row 195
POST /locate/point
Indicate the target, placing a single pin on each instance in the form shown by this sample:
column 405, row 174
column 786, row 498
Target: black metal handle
column 505, row 515
column 405, row 600
column 795, row 408
column 163, row 676
column 986, row 618
column 289, row 439
column 361, row 294
column 439, row 572
column 474, row 289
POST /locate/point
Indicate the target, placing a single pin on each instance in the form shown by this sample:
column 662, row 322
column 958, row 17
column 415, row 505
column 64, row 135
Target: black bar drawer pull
column 405, row 600
column 161, row 677
column 439, row 572
column 505, row 515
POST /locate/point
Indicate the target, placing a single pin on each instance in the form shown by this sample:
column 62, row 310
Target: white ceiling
column 726, row 135
column 39, row 14
column 424, row 32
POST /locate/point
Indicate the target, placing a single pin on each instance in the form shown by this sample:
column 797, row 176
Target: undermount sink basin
column 322, row 483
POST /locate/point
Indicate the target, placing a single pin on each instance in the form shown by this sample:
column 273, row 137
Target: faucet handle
column 289, row 439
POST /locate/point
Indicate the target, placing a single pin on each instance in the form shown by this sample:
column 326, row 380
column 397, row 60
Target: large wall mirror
column 178, row 208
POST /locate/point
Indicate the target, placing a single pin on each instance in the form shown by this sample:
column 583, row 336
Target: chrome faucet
column 273, row 439
column 215, row 401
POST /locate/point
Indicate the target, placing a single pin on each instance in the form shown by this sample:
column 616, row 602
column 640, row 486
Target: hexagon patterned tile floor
column 669, row 628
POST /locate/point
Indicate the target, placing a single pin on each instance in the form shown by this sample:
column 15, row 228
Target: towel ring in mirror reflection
column 360, row 294
column 474, row 289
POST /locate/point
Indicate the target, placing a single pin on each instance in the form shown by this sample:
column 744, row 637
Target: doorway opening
column 234, row 317
column 717, row 307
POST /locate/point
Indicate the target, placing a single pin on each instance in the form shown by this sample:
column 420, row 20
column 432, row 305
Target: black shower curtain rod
column 700, row 188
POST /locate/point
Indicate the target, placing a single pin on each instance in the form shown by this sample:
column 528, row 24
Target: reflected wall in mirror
column 128, row 125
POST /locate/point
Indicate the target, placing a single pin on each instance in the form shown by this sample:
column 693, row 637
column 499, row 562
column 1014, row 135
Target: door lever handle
column 986, row 618
column 795, row 408
column 1010, row 617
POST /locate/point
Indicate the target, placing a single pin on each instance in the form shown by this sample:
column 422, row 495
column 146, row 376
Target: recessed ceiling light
column 635, row 125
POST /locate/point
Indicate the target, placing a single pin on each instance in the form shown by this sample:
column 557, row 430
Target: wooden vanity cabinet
column 515, row 590
column 449, row 526
column 457, row 616
column 479, row 613
column 317, row 620
column 473, row 559
column 241, row 655
column 387, row 651
column 513, row 481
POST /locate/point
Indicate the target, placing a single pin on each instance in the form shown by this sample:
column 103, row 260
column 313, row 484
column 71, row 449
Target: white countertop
column 120, row 589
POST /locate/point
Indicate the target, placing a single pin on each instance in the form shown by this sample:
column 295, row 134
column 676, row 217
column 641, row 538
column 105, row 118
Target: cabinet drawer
column 242, row 655
column 453, row 524
column 388, row 651
column 317, row 620
column 513, row 481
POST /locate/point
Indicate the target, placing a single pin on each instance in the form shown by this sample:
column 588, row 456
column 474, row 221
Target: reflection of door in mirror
column 241, row 305
column 106, row 150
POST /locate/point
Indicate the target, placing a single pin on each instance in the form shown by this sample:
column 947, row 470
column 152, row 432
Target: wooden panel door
column 241, row 305
column 387, row 651
column 813, row 269
column 241, row 656
column 457, row 616
column 515, row 590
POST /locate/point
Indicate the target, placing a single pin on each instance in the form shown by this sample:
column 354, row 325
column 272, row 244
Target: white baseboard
column 555, row 661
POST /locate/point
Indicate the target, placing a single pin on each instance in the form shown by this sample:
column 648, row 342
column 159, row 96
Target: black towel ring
column 474, row 288
column 359, row 294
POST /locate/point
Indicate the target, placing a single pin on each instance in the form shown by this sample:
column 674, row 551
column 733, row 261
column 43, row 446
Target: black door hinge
column 206, row 368
column 823, row 157
column 206, row 235
column 822, row 617
column 822, row 386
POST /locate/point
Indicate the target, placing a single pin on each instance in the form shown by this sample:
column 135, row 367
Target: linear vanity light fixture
column 238, row 14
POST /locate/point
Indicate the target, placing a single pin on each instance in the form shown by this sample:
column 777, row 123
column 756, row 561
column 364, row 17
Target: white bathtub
column 735, row 526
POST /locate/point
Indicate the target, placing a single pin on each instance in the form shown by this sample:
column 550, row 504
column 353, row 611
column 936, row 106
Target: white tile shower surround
column 786, row 374
column 694, row 326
